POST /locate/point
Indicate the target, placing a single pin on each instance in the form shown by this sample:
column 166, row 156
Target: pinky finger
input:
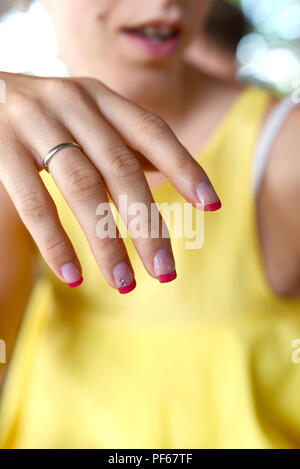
column 39, row 214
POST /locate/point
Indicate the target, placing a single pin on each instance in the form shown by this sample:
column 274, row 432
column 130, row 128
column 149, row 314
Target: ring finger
column 84, row 190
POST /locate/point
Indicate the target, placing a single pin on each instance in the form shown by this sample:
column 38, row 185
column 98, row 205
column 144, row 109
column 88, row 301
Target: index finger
column 150, row 135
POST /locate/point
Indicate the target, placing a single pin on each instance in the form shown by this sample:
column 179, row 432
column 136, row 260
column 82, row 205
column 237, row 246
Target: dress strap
column 267, row 137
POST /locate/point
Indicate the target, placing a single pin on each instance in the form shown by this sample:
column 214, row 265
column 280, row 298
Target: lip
column 160, row 51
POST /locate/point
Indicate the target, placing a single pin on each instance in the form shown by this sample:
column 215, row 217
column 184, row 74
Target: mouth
column 158, row 38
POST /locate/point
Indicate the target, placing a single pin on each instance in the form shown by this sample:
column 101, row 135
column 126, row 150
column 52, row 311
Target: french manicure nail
column 124, row 279
column 208, row 197
column 71, row 275
column 164, row 267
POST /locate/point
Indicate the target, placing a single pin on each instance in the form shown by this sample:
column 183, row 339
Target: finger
column 83, row 189
column 152, row 137
column 38, row 212
column 128, row 188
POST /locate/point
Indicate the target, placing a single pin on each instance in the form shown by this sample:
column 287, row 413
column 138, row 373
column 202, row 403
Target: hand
column 41, row 113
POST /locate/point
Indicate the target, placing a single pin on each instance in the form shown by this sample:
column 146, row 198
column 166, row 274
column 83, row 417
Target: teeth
column 157, row 32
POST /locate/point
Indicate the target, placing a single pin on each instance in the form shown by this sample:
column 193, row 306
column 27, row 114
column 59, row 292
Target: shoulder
column 284, row 159
column 278, row 207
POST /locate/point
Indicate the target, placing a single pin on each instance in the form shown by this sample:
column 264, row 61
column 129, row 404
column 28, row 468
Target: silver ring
column 55, row 150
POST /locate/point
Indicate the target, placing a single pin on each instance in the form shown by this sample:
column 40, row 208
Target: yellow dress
column 202, row 362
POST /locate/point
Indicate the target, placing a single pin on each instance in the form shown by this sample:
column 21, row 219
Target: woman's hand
column 41, row 113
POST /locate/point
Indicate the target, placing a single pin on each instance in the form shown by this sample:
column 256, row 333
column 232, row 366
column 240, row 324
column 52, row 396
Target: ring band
column 55, row 150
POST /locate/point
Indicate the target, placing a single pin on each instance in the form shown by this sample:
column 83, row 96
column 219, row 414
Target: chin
column 130, row 74
column 134, row 78
column 143, row 82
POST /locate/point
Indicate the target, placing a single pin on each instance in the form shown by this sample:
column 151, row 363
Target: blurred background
column 251, row 40
column 270, row 51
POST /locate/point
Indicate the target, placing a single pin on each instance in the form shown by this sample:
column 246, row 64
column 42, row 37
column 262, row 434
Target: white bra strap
column 268, row 134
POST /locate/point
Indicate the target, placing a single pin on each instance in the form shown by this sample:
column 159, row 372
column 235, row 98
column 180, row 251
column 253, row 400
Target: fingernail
column 71, row 275
column 164, row 267
column 208, row 197
column 124, row 279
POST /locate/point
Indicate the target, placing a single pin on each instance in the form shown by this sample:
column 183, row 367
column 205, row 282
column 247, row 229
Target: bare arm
column 279, row 211
column 16, row 273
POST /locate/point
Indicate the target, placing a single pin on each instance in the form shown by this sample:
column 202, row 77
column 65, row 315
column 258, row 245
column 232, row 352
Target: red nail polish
column 164, row 266
column 128, row 288
column 213, row 207
column 208, row 197
column 124, row 278
column 75, row 284
column 167, row 277
column 71, row 274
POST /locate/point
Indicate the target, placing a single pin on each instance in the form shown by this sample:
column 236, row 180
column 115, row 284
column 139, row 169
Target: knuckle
column 121, row 163
column 85, row 183
column 22, row 106
column 16, row 99
column 144, row 228
column 183, row 165
column 107, row 246
column 53, row 248
column 92, row 84
column 73, row 89
column 88, row 81
column 55, row 85
column 108, row 249
column 154, row 125
column 64, row 88
column 32, row 205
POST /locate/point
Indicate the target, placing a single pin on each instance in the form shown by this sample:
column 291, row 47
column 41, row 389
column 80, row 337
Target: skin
column 119, row 139
column 210, row 58
column 145, row 81
column 126, row 147
column 277, row 212
column 213, row 50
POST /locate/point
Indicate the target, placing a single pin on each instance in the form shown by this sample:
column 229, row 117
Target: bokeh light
column 270, row 54
column 29, row 43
